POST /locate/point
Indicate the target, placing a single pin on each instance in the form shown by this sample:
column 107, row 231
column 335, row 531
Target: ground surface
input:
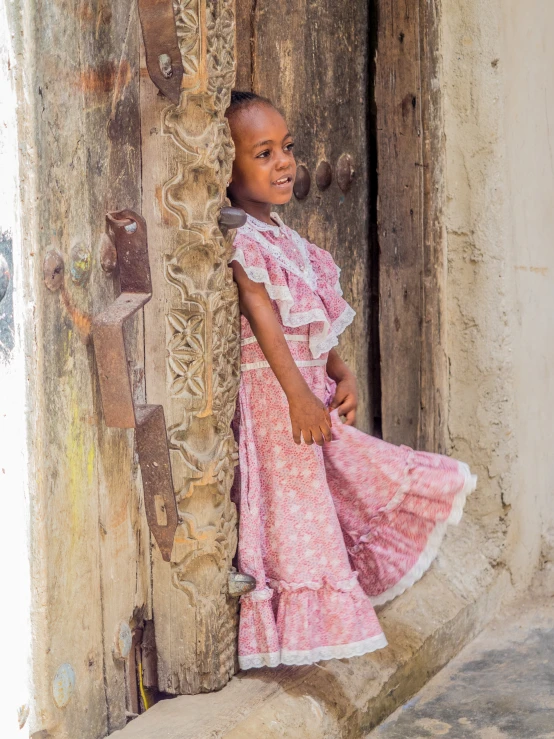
column 501, row 686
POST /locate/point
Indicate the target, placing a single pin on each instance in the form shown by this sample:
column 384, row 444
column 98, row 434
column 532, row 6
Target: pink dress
column 327, row 532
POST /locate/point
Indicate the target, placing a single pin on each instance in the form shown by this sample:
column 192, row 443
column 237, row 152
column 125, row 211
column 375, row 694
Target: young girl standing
column 332, row 521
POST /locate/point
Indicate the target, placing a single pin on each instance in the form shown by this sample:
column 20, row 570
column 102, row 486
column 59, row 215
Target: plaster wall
column 498, row 107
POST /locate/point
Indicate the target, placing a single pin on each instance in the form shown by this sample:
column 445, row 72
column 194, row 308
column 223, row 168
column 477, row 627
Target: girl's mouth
column 283, row 181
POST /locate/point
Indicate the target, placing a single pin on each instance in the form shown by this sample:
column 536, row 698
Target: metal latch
column 128, row 232
column 163, row 56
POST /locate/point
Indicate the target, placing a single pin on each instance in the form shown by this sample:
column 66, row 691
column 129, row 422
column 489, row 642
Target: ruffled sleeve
column 312, row 299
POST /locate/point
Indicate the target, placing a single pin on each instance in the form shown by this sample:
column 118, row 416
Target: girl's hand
column 346, row 398
column 310, row 419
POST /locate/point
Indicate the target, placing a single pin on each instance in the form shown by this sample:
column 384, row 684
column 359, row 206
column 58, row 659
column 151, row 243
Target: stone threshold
column 346, row 698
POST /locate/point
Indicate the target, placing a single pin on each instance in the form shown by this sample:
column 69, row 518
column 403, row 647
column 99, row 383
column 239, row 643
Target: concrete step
column 500, row 686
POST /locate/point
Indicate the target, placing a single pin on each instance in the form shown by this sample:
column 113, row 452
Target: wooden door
column 79, row 147
column 311, row 60
column 192, row 346
column 92, row 560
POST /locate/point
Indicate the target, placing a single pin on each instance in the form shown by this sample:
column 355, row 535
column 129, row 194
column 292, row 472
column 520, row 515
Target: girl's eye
column 263, row 154
column 290, row 147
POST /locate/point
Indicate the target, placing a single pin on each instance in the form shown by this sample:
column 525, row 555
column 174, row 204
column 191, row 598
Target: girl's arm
column 346, row 394
column 309, row 417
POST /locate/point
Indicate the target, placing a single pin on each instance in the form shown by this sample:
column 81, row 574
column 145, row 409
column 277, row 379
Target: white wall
column 14, row 541
column 498, row 84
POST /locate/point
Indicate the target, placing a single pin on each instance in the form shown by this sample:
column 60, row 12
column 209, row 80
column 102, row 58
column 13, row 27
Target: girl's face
column 264, row 168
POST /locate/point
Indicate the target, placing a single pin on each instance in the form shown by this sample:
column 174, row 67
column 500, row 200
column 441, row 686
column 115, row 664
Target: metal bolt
column 302, row 183
column 123, row 641
column 4, row 276
column 63, row 685
column 231, row 218
column 165, row 65
column 79, row 264
column 239, row 583
column 323, row 175
column 53, row 270
column 345, row 172
column 108, row 254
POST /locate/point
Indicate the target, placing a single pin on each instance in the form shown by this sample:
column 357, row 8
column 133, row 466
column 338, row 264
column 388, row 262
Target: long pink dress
column 326, row 532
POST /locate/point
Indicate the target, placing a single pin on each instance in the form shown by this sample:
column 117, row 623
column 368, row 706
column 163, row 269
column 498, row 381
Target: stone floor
column 501, row 686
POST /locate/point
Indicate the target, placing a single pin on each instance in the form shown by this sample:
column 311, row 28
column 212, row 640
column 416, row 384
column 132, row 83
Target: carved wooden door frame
column 192, row 346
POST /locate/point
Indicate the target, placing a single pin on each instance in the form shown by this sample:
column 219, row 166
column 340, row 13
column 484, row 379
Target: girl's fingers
column 296, row 434
column 326, row 431
column 345, row 408
column 317, row 436
column 307, row 436
column 351, row 417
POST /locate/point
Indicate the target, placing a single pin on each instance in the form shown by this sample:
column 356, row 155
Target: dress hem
column 433, row 543
column 309, row 656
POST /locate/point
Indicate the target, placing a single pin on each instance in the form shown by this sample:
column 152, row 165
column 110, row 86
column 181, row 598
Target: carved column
column 192, row 346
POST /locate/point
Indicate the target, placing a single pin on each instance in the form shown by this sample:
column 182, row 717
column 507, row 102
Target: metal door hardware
column 163, row 56
column 240, row 584
column 231, row 218
column 345, row 172
column 302, row 183
column 323, row 175
column 128, row 231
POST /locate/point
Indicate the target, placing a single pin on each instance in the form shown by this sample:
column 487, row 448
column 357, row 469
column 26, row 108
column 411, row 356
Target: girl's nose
column 283, row 161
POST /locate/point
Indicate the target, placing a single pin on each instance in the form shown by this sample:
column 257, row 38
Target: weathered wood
column 314, row 67
column 410, row 236
column 113, row 183
column 77, row 81
column 434, row 363
column 192, row 347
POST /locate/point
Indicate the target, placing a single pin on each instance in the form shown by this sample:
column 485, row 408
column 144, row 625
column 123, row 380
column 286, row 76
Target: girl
column 331, row 520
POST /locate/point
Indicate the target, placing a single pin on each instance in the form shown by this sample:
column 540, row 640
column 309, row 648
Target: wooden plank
column 112, row 120
column 434, row 364
column 409, row 227
column 315, row 69
column 65, row 563
column 77, row 83
column 192, row 348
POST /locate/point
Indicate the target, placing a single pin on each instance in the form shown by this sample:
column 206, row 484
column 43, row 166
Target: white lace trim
column 305, row 271
column 309, row 656
column 319, row 343
column 433, row 543
column 289, row 337
column 262, row 226
column 343, row 586
column 299, row 363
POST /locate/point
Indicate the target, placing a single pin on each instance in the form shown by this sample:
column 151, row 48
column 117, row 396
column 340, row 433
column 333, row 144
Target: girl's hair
column 241, row 100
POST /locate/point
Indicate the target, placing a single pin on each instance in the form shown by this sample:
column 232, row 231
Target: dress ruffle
column 304, row 297
column 393, row 537
column 289, row 620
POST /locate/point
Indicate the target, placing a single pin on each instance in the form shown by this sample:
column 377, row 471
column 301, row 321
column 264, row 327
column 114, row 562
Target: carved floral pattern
column 202, row 324
column 187, row 22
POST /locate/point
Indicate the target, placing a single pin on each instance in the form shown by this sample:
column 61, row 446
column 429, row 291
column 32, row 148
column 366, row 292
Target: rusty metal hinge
column 128, row 231
column 163, row 56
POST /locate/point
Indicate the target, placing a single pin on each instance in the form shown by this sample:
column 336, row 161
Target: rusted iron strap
column 129, row 235
column 163, row 57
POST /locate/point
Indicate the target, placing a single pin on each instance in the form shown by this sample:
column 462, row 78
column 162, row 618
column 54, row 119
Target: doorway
column 314, row 61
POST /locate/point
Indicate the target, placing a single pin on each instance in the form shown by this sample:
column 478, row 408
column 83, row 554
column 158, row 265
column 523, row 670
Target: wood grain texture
column 77, row 78
column 192, row 348
column 311, row 60
column 409, row 228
